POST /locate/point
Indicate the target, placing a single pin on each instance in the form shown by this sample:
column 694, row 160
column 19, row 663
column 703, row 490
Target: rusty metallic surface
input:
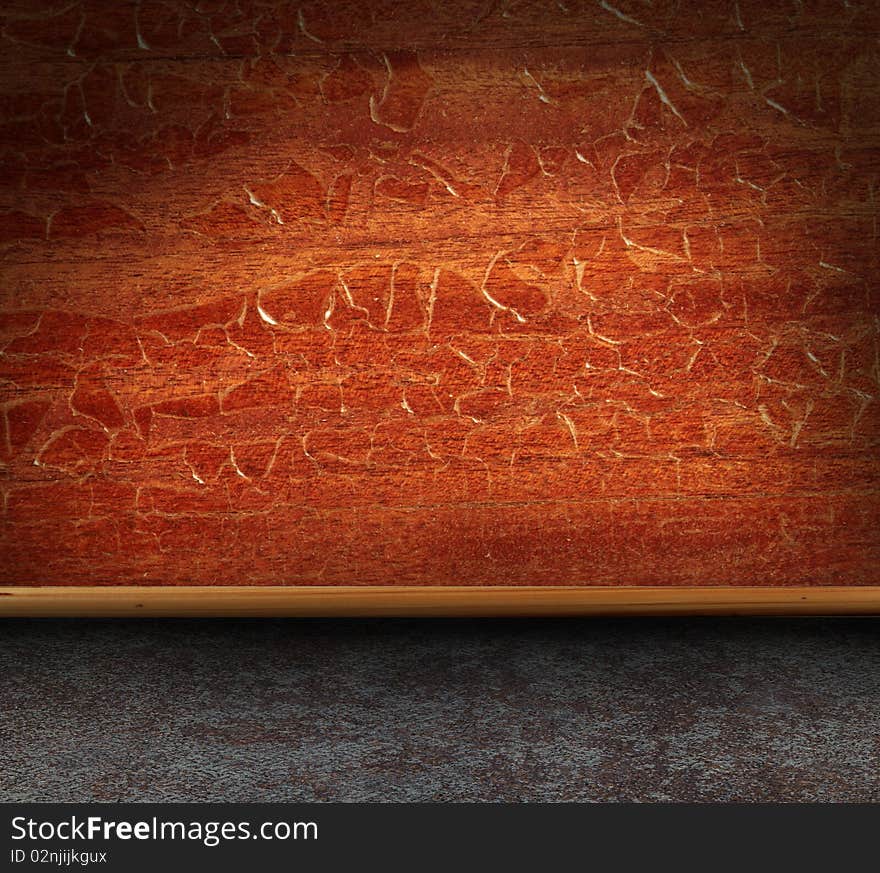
column 465, row 293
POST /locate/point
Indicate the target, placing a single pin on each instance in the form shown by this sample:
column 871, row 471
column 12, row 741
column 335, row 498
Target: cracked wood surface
column 484, row 293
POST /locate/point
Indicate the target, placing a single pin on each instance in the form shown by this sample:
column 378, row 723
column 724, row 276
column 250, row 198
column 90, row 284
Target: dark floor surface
column 251, row 710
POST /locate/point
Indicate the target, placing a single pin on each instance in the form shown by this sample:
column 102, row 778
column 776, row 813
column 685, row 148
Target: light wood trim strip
column 120, row 601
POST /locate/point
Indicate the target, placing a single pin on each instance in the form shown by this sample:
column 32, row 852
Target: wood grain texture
column 427, row 600
column 462, row 293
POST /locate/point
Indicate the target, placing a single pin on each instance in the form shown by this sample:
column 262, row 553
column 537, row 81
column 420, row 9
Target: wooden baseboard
column 315, row 601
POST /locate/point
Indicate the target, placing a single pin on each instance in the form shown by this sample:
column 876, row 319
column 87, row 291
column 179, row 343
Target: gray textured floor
column 433, row 710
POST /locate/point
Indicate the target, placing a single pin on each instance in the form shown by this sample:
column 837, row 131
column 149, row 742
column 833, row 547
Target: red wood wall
column 442, row 293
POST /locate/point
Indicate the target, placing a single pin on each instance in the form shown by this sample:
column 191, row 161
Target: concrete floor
column 251, row 710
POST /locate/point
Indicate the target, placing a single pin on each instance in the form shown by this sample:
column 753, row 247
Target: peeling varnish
column 618, row 14
column 664, row 99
